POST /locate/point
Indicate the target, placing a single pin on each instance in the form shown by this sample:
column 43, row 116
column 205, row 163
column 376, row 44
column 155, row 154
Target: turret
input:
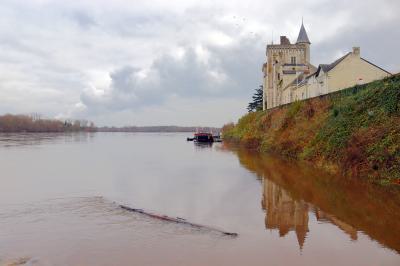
column 302, row 39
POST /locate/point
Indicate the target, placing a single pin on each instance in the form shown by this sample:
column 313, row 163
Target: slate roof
column 302, row 38
column 302, row 78
column 328, row 67
column 289, row 72
column 298, row 80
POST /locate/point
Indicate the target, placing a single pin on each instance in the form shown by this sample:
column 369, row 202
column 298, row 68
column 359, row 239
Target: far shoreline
column 10, row 123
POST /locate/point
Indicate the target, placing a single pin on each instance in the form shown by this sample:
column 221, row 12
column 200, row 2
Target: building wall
column 264, row 70
column 352, row 71
column 322, row 84
column 314, row 87
column 278, row 63
column 286, row 96
column 317, row 85
column 300, row 93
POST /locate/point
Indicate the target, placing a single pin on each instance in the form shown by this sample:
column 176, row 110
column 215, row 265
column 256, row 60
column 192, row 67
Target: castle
column 289, row 76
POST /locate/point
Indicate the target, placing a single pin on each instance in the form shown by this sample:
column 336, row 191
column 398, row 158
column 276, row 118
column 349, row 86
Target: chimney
column 284, row 40
column 356, row 51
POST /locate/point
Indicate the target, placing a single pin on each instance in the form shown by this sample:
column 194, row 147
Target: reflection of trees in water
column 293, row 191
column 34, row 139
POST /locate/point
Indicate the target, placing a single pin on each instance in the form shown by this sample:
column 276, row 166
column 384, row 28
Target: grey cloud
column 82, row 18
column 377, row 45
column 229, row 72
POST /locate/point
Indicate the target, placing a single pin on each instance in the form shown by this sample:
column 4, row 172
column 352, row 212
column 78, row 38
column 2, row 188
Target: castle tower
column 285, row 63
column 302, row 39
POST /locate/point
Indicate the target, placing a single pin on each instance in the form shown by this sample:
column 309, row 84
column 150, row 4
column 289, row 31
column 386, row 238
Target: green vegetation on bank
column 355, row 131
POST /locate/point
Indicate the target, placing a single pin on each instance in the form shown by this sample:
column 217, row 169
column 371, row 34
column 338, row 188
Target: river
column 60, row 197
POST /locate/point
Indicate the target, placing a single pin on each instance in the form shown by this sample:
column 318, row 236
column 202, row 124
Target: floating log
column 176, row 220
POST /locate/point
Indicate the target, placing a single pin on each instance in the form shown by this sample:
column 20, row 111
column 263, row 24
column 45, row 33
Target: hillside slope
column 355, row 132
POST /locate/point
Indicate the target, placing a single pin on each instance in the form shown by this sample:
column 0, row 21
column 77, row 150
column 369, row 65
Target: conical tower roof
column 302, row 38
column 301, row 234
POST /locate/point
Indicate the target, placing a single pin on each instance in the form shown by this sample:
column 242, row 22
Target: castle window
column 293, row 60
column 279, row 76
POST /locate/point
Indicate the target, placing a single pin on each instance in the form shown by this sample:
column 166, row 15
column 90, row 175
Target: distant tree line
column 35, row 123
column 158, row 129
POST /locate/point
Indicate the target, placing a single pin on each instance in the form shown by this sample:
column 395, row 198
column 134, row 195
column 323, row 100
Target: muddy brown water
column 59, row 197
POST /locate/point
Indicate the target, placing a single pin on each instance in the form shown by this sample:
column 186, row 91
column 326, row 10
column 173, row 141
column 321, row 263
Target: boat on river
column 203, row 137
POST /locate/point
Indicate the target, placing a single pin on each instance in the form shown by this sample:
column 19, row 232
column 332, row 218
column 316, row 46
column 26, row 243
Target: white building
column 289, row 75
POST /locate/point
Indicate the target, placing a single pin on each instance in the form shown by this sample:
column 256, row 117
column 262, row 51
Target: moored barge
column 203, row 137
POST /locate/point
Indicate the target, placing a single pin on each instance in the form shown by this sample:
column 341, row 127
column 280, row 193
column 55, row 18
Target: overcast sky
column 169, row 62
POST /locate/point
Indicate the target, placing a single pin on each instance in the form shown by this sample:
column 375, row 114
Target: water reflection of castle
column 285, row 214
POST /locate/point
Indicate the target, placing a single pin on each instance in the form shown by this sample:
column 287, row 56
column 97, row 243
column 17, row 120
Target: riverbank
column 11, row 123
column 354, row 132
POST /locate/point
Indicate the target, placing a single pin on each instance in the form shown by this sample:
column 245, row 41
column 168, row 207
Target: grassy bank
column 355, row 132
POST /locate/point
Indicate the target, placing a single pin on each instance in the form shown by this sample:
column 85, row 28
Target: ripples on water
column 59, row 205
column 35, row 139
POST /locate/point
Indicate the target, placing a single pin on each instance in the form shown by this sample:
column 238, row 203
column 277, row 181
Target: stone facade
column 289, row 76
